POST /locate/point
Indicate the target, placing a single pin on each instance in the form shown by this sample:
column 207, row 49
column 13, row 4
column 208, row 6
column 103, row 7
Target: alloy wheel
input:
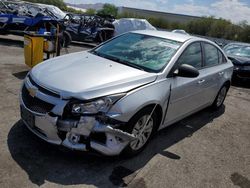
column 142, row 131
column 221, row 96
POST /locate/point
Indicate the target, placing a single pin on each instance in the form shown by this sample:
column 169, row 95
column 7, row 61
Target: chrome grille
column 34, row 104
column 44, row 90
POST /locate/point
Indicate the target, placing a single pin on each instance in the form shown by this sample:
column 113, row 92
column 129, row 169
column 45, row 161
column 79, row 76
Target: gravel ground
column 208, row 149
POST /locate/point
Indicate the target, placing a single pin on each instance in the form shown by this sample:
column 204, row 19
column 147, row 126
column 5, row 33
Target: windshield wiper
column 97, row 53
column 133, row 65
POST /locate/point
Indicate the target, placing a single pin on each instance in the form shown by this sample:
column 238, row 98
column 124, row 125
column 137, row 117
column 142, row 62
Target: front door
column 187, row 93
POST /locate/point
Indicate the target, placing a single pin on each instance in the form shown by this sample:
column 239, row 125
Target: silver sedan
column 113, row 98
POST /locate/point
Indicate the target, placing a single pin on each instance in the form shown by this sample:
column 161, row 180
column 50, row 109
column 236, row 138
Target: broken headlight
column 95, row 106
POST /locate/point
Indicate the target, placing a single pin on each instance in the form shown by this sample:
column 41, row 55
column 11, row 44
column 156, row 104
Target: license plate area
column 28, row 117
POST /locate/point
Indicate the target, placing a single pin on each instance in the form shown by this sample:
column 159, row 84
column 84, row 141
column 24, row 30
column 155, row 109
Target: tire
column 219, row 100
column 67, row 39
column 135, row 125
column 100, row 37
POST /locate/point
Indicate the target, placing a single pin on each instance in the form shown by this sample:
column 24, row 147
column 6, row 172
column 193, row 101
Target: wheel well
column 158, row 111
column 227, row 84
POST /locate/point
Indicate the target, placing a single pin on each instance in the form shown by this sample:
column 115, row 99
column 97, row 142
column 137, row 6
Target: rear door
column 212, row 71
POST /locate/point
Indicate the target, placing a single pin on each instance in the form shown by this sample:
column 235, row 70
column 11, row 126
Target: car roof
column 168, row 35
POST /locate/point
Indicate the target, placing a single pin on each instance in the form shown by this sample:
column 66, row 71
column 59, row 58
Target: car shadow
column 20, row 75
column 45, row 162
column 11, row 42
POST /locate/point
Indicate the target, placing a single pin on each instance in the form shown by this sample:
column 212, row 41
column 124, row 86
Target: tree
column 201, row 26
column 109, row 9
column 72, row 10
column 90, row 11
column 219, row 28
column 244, row 35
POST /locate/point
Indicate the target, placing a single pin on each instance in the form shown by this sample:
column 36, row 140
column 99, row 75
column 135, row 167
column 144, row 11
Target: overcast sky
column 235, row 10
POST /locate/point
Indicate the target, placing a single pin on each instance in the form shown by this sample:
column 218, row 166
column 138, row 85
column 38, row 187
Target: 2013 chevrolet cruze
column 112, row 98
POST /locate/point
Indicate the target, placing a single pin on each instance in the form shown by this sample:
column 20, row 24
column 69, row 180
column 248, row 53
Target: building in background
column 170, row 17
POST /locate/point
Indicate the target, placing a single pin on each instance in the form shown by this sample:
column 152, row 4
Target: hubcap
column 221, row 96
column 142, row 131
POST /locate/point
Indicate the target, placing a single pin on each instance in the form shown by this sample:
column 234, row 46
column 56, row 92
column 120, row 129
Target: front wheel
column 142, row 126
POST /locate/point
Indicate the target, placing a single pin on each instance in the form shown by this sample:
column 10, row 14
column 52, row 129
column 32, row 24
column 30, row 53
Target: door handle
column 221, row 73
column 201, row 81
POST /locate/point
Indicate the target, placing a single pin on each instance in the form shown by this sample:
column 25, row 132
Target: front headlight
column 93, row 107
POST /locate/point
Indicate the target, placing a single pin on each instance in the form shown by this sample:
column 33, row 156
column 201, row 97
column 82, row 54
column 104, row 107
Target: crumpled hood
column 83, row 75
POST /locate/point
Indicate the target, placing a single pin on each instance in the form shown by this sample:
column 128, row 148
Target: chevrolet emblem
column 32, row 91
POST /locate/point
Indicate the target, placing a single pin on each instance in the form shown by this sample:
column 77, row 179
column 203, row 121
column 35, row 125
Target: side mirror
column 187, row 71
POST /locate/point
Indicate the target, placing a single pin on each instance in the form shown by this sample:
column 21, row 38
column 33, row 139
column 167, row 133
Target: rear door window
column 211, row 55
column 222, row 58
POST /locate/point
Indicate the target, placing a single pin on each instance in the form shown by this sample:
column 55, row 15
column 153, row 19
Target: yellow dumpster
column 33, row 49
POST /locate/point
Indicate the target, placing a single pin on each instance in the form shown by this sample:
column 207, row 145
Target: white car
column 111, row 99
column 124, row 25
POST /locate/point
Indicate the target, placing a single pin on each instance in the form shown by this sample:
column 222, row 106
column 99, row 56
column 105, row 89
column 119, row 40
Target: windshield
column 144, row 52
column 238, row 50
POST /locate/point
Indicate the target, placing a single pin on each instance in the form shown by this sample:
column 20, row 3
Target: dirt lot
column 208, row 149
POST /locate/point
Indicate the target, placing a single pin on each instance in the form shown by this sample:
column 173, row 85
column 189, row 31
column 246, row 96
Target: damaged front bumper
column 76, row 134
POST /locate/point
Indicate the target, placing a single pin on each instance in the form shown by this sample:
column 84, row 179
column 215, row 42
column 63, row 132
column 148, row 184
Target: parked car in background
column 113, row 98
column 89, row 28
column 18, row 17
column 180, row 31
column 124, row 25
column 239, row 54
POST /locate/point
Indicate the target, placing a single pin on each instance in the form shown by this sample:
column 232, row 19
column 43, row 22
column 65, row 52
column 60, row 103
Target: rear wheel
column 142, row 126
column 218, row 102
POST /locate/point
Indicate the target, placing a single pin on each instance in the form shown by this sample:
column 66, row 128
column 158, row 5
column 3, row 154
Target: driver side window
column 192, row 56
